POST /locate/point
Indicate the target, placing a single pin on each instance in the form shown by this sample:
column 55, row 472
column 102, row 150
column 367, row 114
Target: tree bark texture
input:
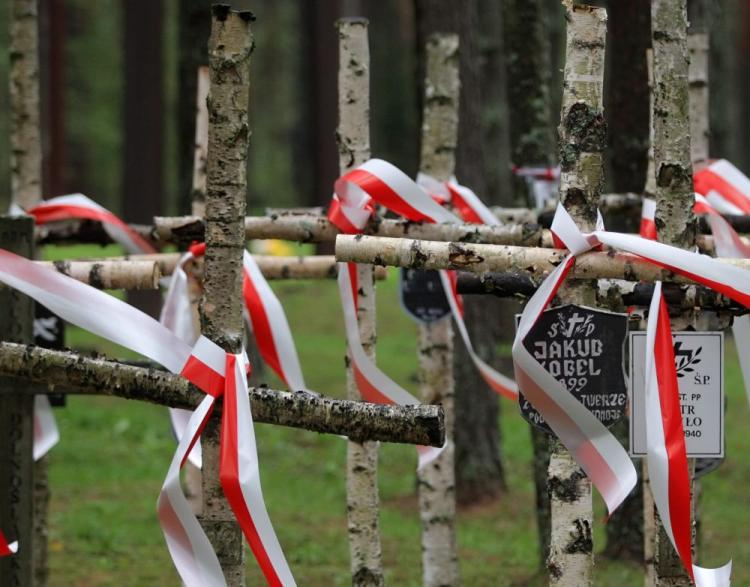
column 271, row 266
column 495, row 114
column 125, row 274
column 629, row 159
column 26, row 190
column 479, row 472
column 230, row 46
column 698, row 97
column 527, row 56
column 194, row 27
column 436, row 480
column 200, row 150
column 480, row 258
column 25, row 139
column 675, row 220
column 17, row 471
column 73, row 373
column 627, row 97
column 582, row 139
column 353, row 137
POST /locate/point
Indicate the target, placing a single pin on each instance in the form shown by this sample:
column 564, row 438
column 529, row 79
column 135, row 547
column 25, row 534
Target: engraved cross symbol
column 574, row 319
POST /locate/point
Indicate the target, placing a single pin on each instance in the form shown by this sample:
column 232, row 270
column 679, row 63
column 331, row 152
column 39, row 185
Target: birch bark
column 353, row 136
column 436, row 480
column 230, row 46
column 582, row 139
column 675, row 219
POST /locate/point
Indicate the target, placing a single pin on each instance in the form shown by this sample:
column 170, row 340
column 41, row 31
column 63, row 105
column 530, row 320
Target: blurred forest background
column 118, row 86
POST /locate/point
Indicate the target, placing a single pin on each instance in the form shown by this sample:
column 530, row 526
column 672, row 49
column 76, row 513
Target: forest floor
column 108, row 468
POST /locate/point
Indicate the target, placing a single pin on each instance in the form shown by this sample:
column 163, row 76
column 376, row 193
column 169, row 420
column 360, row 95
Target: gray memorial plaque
column 699, row 359
column 583, row 349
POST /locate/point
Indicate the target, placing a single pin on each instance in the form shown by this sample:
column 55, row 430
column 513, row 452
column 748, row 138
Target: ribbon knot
column 567, row 235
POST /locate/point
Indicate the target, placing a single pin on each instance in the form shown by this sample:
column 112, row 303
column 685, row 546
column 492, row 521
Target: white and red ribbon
column 7, row 548
column 543, row 182
column 592, row 445
column 208, row 367
column 377, row 181
column 728, row 244
column 80, row 207
column 725, row 187
column 669, row 475
column 72, row 207
column 269, row 323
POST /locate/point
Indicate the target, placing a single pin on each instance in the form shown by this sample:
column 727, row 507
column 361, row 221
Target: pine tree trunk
column 142, row 183
column 230, row 46
column 436, row 480
column 527, row 57
column 628, row 96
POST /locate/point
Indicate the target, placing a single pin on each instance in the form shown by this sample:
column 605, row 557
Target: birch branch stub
column 229, row 49
column 73, row 373
column 436, row 480
column 353, row 139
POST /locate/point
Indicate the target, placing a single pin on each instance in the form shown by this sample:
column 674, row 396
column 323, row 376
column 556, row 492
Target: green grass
column 107, row 471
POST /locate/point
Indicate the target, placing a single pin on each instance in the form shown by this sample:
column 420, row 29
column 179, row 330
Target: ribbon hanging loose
column 377, row 181
column 669, row 475
column 208, row 367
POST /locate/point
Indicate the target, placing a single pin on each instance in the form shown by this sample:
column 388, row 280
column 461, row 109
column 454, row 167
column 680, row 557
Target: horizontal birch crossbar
column 72, row 373
column 610, row 292
column 481, row 258
column 271, row 266
column 310, row 228
column 110, row 274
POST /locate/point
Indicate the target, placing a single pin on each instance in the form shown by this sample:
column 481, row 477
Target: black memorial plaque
column 423, row 296
column 583, row 349
column 49, row 333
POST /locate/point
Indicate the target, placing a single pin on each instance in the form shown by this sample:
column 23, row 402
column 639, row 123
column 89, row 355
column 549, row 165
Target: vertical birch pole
column 198, row 199
column 649, row 191
column 698, row 98
column 582, row 138
column 25, row 143
column 353, row 137
column 675, row 219
column 230, row 46
column 26, row 190
column 193, row 483
column 437, row 480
